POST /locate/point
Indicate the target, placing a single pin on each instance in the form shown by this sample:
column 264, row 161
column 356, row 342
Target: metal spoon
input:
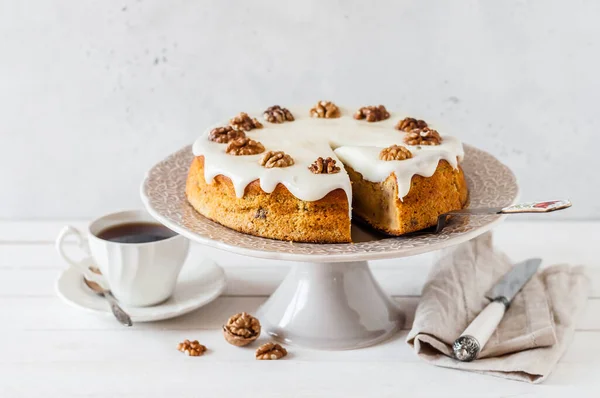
column 117, row 311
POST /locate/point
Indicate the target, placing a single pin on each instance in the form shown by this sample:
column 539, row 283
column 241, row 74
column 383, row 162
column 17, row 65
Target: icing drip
column 356, row 143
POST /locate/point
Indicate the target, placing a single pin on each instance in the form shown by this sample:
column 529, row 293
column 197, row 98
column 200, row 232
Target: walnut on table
column 270, row 351
column 224, row 135
column 410, row 123
column 425, row 136
column 324, row 166
column 276, row 159
column 277, row 114
column 244, row 122
column 191, row 348
column 395, row 152
column 244, row 146
column 325, row 109
column 241, row 329
column 372, row 113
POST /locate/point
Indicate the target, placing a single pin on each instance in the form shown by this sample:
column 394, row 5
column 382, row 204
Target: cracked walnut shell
column 410, row 123
column 224, row 135
column 244, row 122
column 372, row 113
column 324, row 166
column 325, row 109
column 424, row 136
column 395, row 152
column 191, row 348
column 244, row 146
column 241, row 329
column 277, row 114
column 276, row 159
column 270, row 351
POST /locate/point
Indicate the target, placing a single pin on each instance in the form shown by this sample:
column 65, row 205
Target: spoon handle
column 117, row 311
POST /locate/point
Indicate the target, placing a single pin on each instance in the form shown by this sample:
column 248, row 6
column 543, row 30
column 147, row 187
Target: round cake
column 302, row 174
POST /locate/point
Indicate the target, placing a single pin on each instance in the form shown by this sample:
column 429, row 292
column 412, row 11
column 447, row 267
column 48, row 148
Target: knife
column 467, row 347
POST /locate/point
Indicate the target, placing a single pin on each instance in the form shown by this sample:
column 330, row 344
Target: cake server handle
column 537, row 207
column 528, row 207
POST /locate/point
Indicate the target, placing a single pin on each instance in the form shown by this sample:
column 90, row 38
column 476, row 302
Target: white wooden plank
column 246, row 276
column 50, row 313
column 202, row 377
column 242, row 281
column 148, row 345
column 35, row 230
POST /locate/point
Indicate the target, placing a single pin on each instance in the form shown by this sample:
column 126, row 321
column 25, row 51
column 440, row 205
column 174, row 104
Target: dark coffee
column 136, row 232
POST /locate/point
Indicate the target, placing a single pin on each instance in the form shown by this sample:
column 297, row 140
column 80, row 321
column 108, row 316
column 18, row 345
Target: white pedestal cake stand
column 329, row 299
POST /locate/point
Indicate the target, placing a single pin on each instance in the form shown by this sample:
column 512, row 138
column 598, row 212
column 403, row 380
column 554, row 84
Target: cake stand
column 329, row 299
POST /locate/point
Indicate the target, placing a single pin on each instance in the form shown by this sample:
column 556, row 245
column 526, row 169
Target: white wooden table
column 50, row 349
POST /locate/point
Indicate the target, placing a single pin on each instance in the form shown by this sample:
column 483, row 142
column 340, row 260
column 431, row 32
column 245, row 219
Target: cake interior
column 378, row 204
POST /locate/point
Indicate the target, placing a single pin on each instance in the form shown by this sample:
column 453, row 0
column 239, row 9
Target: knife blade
column 510, row 284
column 467, row 347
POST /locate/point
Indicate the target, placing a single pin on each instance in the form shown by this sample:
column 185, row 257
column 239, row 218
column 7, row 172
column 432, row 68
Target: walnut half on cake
column 303, row 181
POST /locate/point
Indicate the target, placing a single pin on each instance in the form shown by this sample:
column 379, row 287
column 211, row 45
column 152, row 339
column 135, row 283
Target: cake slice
column 378, row 204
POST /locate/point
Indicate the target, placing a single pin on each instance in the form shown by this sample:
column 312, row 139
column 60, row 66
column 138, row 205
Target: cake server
column 467, row 347
column 529, row 207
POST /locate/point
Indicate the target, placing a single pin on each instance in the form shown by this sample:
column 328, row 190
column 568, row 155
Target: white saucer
column 198, row 285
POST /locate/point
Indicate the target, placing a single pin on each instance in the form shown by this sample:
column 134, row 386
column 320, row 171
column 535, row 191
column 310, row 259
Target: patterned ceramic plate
column 491, row 184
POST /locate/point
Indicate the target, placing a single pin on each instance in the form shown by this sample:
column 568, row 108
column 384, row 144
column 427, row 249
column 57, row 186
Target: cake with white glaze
column 301, row 174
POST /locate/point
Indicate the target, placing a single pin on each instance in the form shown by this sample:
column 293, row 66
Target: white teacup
column 138, row 274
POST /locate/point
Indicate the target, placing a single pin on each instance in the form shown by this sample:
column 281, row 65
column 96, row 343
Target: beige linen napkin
column 531, row 337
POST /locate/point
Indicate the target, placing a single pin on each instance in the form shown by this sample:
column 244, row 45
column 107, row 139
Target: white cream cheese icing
column 356, row 143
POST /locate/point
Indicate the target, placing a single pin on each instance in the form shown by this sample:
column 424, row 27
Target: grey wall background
column 92, row 93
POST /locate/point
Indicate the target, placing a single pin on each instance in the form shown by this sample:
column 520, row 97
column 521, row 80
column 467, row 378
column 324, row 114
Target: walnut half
column 276, row 159
column 191, row 348
column 244, row 146
column 324, row 166
column 241, row 329
column 410, row 123
column 424, row 136
column 325, row 109
column 395, row 152
column 372, row 113
column 223, row 135
column 244, row 122
column 277, row 114
column 270, row 351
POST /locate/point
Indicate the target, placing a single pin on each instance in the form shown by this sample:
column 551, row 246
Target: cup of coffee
column 139, row 259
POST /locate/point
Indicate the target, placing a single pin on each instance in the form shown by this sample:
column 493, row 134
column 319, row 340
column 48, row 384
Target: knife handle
column 476, row 335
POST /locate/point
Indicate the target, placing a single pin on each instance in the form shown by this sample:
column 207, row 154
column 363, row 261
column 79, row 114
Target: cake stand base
column 330, row 306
